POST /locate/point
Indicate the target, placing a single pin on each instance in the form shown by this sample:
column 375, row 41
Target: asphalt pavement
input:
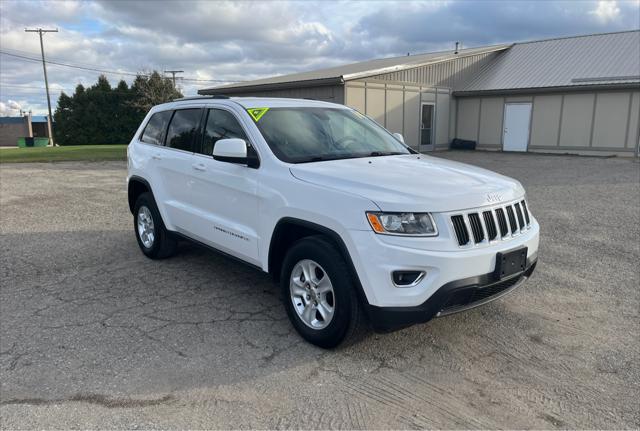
column 95, row 335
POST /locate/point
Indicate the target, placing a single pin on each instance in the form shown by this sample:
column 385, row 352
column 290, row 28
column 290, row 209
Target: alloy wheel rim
column 312, row 294
column 146, row 229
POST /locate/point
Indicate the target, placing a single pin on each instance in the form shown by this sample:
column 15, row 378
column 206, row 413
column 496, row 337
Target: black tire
column 348, row 323
column 164, row 243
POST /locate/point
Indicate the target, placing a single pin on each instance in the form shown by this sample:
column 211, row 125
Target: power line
column 96, row 69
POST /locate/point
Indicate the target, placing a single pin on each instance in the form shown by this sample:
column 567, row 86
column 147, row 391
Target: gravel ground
column 94, row 335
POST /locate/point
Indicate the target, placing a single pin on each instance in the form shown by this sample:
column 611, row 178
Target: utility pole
column 173, row 75
column 46, row 81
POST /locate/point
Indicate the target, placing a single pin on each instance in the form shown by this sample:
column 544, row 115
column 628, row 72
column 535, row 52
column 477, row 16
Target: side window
column 220, row 125
column 183, row 129
column 154, row 130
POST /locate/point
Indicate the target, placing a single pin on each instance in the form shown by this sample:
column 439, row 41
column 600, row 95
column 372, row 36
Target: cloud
column 233, row 41
column 11, row 108
column 606, row 11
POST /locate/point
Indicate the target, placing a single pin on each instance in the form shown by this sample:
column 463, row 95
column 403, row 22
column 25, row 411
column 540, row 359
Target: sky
column 217, row 42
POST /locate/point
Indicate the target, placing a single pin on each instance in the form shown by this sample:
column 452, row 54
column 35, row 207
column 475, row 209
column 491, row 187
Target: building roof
column 611, row 59
column 20, row 120
column 347, row 72
column 11, row 120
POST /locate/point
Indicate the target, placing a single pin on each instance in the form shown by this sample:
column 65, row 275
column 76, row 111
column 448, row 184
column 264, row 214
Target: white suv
column 357, row 227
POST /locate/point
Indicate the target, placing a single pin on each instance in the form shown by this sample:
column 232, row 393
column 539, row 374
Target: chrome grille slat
column 486, row 225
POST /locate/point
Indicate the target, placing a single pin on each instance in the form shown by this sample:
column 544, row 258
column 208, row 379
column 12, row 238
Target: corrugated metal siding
column 446, row 74
column 357, row 70
column 600, row 59
column 573, row 122
column 327, row 93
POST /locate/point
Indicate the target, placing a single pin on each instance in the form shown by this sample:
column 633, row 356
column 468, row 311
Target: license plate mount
column 510, row 262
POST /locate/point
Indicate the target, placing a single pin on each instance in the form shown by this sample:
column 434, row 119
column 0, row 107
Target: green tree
column 101, row 114
column 153, row 90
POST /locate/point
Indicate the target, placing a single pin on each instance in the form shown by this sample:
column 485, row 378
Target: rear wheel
column 153, row 238
column 319, row 293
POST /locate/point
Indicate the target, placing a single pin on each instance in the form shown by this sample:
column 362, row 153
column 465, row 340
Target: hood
column 412, row 182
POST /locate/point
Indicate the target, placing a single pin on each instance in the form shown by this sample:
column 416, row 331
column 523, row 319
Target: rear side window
column 220, row 125
column 183, row 129
column 155, row 128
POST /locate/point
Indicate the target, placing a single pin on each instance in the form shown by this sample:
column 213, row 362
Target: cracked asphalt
column 94, row 335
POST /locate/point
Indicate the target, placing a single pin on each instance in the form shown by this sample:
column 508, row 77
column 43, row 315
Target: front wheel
column 153, row 238
column 319, row 293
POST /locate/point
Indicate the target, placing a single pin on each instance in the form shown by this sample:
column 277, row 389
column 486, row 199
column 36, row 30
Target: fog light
column 407, row 278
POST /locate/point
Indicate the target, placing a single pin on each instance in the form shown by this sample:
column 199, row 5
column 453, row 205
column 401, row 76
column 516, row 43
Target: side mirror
column 399, row 137
column 231, row 150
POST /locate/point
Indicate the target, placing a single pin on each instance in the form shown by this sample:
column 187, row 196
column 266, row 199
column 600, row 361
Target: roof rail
column 214, row 96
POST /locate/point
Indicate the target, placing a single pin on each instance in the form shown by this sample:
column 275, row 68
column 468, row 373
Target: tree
column 153, row 90
column 104, row 115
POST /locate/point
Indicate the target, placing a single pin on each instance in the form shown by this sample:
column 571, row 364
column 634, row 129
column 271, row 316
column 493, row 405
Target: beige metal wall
column 445, row 74
column 397, row 107
column 578, row 122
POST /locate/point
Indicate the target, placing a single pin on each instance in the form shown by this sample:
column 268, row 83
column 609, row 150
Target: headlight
column 410, row 224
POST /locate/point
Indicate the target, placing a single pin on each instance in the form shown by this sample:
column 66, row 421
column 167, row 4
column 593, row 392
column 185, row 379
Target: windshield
column 298, row 135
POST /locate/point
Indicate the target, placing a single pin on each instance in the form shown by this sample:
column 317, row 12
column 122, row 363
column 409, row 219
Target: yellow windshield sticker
column 257, row 113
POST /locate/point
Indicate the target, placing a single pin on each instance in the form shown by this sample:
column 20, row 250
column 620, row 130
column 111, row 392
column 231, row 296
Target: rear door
column 223, row 194
column 174, row 168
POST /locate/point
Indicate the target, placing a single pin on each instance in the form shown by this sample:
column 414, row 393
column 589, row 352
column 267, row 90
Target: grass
column 90, row 153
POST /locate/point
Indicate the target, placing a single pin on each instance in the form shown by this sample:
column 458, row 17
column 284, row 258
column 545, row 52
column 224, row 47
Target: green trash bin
column 40, row 142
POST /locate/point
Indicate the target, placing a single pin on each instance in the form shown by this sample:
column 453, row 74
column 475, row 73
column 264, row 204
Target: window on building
column 156, row 127
column 426, row 128
column 183, row 129
column 221, row 124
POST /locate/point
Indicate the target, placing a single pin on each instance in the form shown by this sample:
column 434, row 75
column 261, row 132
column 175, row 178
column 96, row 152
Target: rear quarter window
column 156, row 128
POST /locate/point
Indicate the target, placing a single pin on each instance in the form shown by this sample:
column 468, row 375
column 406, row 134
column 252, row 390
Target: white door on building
column 517, row 118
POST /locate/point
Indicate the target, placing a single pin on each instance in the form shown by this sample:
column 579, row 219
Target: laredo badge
column 257, row 113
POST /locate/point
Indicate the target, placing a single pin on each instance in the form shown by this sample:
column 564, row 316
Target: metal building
column 576, row 94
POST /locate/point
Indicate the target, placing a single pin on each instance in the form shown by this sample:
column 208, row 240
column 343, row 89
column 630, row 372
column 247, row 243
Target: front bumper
column 451, row 298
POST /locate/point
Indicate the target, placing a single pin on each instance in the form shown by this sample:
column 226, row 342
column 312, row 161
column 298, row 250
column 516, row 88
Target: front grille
column 476, row 227
column 526, row 212
column 490, row 224
column 512, row 219
column 460, row 229
column 502, row 221
column 498, row 223
column 520, row 218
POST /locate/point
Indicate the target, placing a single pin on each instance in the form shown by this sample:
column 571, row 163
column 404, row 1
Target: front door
column 426, row 127
column 224, row 195
column 517, row 117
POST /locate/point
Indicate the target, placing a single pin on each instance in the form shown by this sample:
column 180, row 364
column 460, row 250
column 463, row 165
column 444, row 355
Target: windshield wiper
column 384, row 153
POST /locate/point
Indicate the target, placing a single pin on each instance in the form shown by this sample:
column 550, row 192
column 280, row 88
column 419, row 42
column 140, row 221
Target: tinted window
column 156, row 127
column 183, row 129
column 220, row 125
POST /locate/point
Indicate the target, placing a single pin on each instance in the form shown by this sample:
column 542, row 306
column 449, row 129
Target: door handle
column 156, row 157
column 199, row 167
